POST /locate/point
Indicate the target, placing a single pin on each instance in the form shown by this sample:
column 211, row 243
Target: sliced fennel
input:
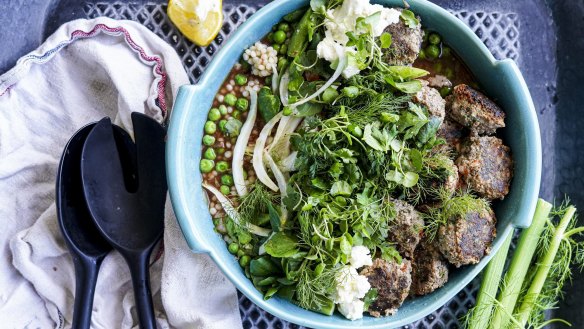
column 241, row 145
column 258, row 154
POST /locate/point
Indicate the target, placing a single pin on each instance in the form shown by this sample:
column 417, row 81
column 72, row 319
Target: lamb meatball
column 453, row 133
column 486, row 166
column 405, row 43
column 438, row 81
column 392, row 281
column 429, row 269
column 431, row 98
column 474, row 110
column 466, row 238
column 406, row 229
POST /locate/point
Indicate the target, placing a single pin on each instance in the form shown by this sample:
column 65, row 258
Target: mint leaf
column 385, row 39
column 281, row 245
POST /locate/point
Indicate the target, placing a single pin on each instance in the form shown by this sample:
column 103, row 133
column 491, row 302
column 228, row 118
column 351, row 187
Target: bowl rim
column 179, row 194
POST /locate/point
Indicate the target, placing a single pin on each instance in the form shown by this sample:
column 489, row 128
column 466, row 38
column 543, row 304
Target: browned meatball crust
column 392, row 281
column 405, row 43
column 467, row 239
column 429, row 269
column 474, row 110
column 431, row 98
column 454, row 133
column 406, row 229
column 486, row 166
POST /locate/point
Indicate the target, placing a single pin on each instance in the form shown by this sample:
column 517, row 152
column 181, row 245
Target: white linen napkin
column 86, row 70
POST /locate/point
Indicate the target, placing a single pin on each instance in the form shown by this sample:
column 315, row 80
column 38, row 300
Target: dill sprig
column 255, row 203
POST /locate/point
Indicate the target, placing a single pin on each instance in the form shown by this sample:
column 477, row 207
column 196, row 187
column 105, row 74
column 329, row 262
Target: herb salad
column 342, row 176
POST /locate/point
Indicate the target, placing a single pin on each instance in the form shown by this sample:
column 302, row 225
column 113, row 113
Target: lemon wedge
column 198, row 20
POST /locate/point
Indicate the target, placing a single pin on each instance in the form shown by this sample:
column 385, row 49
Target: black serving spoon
column 131, row 218
column 86, row 245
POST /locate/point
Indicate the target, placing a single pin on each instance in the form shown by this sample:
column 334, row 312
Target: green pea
column 240, row 253
column 230, row 99
column 210, row 127
column 287, row 111
column 449, row 73
column 222, row 124
column 244, row 260
column 425, row 36
column 242, row 104
column 269, row 80
column 240, row 79
column 422, row 54
column 208, row 140
column 432, row 51
column 329, row 95
column 236, row 114
column 283, row 49
column 220, row 150
column 438, row 67
column 214, row 114
column 210, row 154
column 284, row 27
column 351, row 91
column 233, row 248
column 434, row 38
column 222, row 109
column 276, row 48
column 355, row 130
column 206, row 165
column 446, row 51
column 222, row 166
column 445, row 91
column 225, row 189
column 340, row 201
column 279, row 37
column 227, row 180
column 271, row 35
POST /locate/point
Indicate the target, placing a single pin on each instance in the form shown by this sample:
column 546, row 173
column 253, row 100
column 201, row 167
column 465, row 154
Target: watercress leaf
column 377, row 139
column 346, row 155
column 263, row 266
column 404, row 73
column 232, row 127
column 410, row 179
column 385, row 39
column 274, row 218
column 319, row 183
column 281, row 245
column 409, row 18
column 408, row 87
column 345, row 245
column 336, row 170
column 394, row 176
column 353, row 173
column 416, row 159
column 341, row 188
column 307, row 109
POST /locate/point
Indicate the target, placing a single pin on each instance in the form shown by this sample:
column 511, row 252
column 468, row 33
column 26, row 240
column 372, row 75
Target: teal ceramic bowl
column 501, row 80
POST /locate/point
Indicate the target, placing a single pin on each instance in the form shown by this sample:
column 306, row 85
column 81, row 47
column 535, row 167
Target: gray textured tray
column 545, row 37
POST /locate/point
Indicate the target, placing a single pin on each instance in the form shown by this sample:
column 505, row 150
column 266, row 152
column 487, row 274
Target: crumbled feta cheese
column 343, row 19
column 353, row 310
column 261, row 58
column 360, row 256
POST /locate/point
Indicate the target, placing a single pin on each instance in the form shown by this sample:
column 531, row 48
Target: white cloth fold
column 86, row 70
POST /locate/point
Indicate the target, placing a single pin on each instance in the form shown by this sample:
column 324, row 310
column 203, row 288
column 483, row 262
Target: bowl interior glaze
column 501, row 80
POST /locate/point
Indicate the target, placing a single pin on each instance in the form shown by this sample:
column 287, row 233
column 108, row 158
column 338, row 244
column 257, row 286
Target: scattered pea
column 276, row 47
column 284, row 27
column 282, row 62
column 425, row 36
column 422, row 54
column 220, row 150
column 206, row 165
column 233, row 248
column 242, row 104
column 240, row 79
column 434, row 38
column 279, row 37
column 351, row 91
column 449, row 73
column 236, row 114
column 210, row 154
column 329, row 95
column 208, row 140
column 438, row 67
column 240, row 253
column 244, row 260
column 214, row 114
column 287, row 111
column 222, row 166
column 227, row 180
column 222, row 124
column 230, row 99
column 445, row 91
column 432, row 51
column 222, row 109
column 271, row 35
column 446, row 51
column 210, row 127
column 225, row 189
column 283, row 49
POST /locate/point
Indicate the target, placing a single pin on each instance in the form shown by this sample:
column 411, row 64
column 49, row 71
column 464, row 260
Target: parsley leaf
column 409, row 18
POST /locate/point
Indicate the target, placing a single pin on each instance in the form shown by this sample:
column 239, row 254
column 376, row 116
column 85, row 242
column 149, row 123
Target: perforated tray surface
column 522, row 30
